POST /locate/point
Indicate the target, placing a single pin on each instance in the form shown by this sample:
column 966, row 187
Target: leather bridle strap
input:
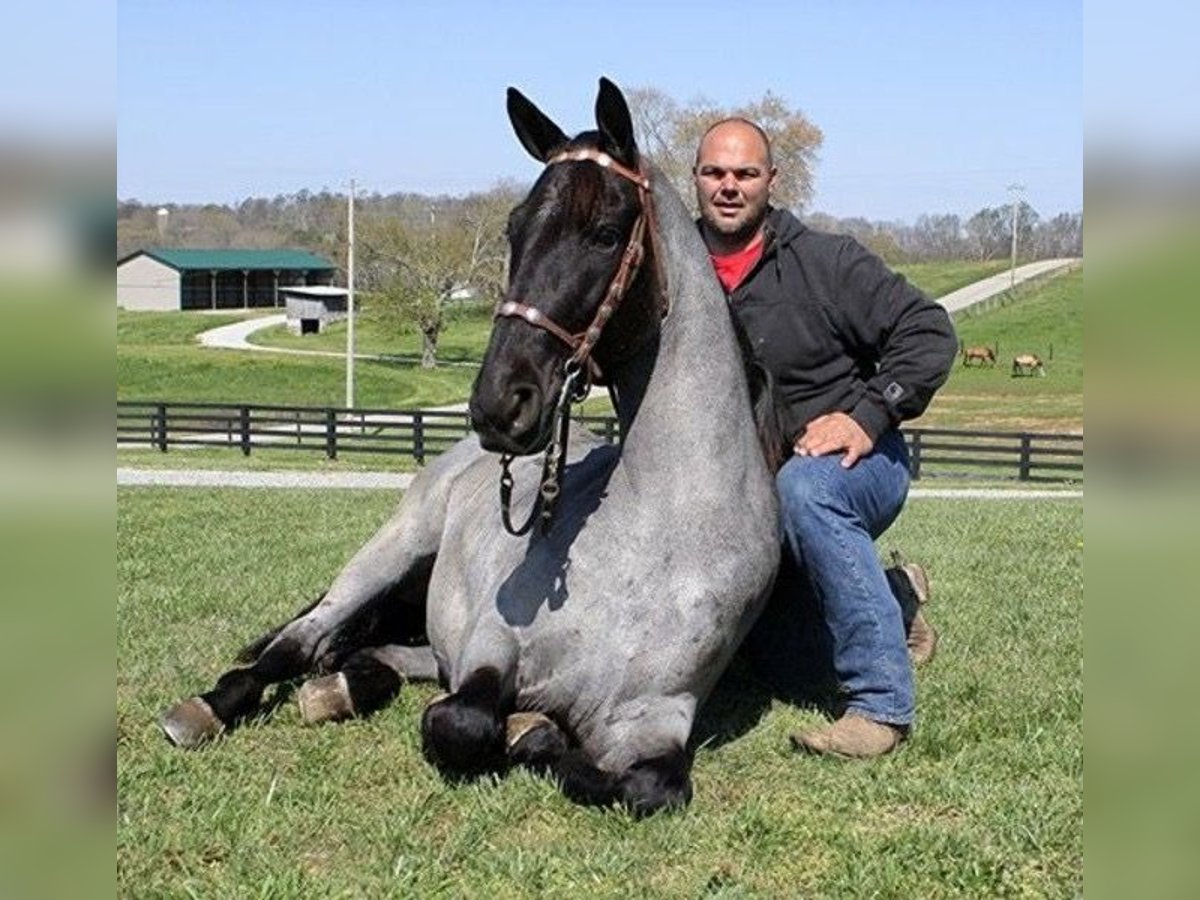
column 585, row 341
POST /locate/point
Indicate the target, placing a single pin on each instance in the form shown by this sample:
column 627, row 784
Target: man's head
column 733, row 175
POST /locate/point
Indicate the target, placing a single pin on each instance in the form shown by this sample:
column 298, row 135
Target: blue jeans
column 830, row 518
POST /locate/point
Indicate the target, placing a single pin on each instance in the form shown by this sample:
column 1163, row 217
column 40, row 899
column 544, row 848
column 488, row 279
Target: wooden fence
column 935, row 452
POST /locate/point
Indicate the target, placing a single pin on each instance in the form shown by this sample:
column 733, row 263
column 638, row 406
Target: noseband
column 581, row 363
column 585, row 341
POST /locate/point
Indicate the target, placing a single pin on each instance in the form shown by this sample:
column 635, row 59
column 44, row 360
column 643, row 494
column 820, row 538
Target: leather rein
column 580, row 370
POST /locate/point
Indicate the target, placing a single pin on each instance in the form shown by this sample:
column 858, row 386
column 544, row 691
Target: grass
column 1049, row 322
column 157, row 358
column 984, row 800
column 937, row 279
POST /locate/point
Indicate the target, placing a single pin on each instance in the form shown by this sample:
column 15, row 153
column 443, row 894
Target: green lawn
column 157, row 358
column 1047, row 321
column 940, row 278
column 986, row 799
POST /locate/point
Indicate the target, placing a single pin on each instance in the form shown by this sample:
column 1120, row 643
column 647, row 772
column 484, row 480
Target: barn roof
column 208, row 260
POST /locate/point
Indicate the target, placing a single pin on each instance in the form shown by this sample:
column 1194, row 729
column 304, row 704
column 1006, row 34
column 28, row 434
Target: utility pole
column 1015, row 190
column 350, row 300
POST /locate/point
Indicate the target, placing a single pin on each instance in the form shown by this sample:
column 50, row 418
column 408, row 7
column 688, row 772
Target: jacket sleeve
column 896, row 331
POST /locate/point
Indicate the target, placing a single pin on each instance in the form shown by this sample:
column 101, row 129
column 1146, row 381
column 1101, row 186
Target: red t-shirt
column 732, row 267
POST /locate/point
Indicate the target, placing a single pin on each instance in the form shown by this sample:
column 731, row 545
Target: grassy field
column 157, row 358
column 1047, row 321
column 984, row 800
column 937, row 279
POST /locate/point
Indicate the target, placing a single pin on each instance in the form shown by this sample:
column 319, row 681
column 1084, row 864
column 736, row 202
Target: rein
column 580, row 368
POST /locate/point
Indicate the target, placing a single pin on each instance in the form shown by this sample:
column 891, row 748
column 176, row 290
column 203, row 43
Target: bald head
column 743, row 128
column 733, row 177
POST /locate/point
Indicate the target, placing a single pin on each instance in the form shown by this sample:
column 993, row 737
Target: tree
column 989, row 233
column 417, row 268
column 670, row 133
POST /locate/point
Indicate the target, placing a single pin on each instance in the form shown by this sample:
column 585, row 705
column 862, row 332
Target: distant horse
column 1028, row 364
column 981, row 355
column 583, row 649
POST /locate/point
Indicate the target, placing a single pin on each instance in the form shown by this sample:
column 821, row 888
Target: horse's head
column 575, row 247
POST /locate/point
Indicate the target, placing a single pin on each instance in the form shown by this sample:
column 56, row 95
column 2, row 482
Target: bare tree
column 670, row 133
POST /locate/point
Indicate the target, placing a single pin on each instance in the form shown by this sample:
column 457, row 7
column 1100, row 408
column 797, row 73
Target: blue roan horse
column 585, row 649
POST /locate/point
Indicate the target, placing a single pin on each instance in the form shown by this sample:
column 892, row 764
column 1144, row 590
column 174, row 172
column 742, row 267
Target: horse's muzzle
column 514, row 417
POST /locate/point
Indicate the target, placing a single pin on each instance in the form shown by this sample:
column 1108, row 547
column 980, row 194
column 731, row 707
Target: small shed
column 167, row 279
column 310, row 309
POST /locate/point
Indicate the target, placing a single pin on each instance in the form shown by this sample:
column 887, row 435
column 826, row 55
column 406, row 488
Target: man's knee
column 810, row 491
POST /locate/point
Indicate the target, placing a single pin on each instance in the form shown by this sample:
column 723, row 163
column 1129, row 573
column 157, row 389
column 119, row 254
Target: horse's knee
column 534, row 741
column 657, row 784
column 462, row 734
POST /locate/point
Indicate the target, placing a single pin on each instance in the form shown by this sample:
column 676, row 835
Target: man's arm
column 909, row 336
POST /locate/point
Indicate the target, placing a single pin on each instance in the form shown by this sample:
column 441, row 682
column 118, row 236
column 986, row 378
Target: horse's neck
column 683, row 401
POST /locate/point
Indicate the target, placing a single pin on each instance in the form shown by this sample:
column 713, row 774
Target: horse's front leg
column 463, row 733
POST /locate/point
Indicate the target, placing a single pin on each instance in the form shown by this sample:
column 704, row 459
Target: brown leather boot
column 922, row 639
column 853, row 736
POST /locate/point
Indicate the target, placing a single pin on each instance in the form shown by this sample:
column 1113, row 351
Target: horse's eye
column 606, row 237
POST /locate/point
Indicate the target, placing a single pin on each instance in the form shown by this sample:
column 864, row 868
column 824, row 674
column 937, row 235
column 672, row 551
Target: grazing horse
column 583, row 648
column 1028, row 364
column 981, row 355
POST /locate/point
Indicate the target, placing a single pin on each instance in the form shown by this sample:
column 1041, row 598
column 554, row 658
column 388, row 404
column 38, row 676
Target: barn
column 170, row 279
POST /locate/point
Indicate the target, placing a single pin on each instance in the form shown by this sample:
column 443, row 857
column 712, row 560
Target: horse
column 982, row 355
column 584, row 647
column 1028, row 364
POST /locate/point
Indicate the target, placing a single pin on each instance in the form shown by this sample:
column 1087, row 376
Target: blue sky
column 925, row 106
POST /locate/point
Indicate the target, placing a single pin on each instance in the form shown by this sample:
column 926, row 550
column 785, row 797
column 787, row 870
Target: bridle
column 580, row 370
column 585, row 341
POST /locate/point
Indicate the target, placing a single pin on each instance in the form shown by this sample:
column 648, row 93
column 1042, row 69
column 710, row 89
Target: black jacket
column 839, row 331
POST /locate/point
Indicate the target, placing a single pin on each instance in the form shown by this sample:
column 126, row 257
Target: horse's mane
column 764, row 402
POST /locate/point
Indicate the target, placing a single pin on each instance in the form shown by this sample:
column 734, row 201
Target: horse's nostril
column 521, row 398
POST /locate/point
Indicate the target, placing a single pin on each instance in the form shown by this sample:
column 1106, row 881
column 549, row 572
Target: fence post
column 914, row 456
column 418, row 423
column 1025, row 462
column 610, row 430
column 330, row 434
column 159, row 425
column 244, row 422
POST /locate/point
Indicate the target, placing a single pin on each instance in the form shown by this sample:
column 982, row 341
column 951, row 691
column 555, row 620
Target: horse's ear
column 615, row 123
column 537, row 134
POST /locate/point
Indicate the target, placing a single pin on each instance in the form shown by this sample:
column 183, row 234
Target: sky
column 926, row 107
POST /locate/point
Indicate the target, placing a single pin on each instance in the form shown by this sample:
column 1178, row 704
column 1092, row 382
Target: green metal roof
column 208, row 260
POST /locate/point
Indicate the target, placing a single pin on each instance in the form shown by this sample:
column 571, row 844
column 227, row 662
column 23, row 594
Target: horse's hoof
column 519, row 724
column 190, row 723
column 326, row 699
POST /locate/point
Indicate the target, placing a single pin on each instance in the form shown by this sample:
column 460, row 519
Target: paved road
column 998, row 284
column 133, row 477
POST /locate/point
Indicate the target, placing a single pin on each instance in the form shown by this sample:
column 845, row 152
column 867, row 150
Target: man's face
column 733, row 181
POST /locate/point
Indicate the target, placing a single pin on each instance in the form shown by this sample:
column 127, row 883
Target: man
column 854, row 350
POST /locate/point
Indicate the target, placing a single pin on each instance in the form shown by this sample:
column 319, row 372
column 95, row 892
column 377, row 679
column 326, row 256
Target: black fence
column 420, row 434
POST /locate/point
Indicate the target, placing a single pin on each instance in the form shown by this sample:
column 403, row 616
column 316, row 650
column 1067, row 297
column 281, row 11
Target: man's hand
column 833, row 433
